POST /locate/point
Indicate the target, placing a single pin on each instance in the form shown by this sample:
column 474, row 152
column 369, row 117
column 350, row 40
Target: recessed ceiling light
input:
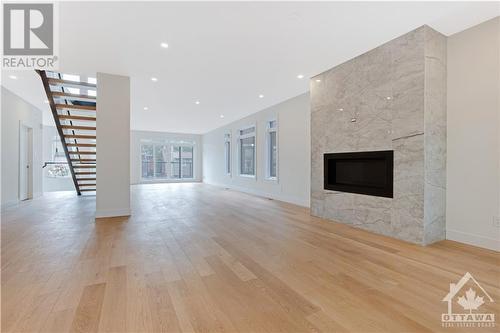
column 318, row 80
column 46, row 102
column 13, row 77
column 154, row 79
column 388, row 98
column 197, row 102
column 300, row 76
column 222, row 116
column 341, row 109
column 261, row 96
column 164, row 45
column 146, row 108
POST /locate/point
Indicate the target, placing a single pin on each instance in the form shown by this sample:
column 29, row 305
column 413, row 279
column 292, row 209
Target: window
column 167, row 161
column 59, row 166
column 227, row 153
column 182, row 162
column 272, row 150
column 148, row 166
column 71, row 77
column 247, row 151
column 187, row 162
column 175, row 163
column 75, row 91
column 160, row 158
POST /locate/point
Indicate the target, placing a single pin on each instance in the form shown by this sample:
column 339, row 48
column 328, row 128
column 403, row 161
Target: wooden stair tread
column 83, row 160
column 84, row 173
column 81, row 128
column 86, row 185
column 71, row 96
column 87, row 189
column 75, row 107
column 84, row 166
column 60, row 82
column 82, row 118
column 79, row 179
column 78, row 136
column 80, row 144
column 82, row 152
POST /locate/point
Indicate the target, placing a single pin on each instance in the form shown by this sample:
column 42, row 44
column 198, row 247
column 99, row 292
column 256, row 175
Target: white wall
column 294, row 157
column 113, row 145
column 51, row 184
column 14, row 111
column 135, row 154
column 473, row 184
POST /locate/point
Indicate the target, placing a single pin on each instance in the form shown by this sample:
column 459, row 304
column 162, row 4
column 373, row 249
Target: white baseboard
column 472, row 239
column 112, row 213
column 281, row 197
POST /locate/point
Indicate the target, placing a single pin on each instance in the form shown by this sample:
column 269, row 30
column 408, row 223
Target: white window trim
column 249, row 135
column 228, row 137
column 268, row 153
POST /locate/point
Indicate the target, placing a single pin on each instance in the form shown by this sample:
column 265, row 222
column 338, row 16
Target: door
column 25, row 163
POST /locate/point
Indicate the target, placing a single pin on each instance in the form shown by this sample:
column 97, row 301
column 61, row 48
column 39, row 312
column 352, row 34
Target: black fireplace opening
column 368, row 172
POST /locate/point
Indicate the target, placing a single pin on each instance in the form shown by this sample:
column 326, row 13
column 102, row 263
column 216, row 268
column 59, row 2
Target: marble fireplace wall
column 390, row 98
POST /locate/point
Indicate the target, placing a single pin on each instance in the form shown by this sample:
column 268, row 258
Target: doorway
column 25, row 162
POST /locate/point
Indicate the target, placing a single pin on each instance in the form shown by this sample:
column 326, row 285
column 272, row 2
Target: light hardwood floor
column 196, row 258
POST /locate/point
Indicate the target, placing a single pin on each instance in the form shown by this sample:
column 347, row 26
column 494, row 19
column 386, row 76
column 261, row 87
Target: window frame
column 170, row 145
column 180, row 146
column 153, row 178
column 245, row 136
column 270, row 130
column 228, row 156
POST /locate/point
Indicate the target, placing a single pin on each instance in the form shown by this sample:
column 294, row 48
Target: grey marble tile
column 373, row 213
column 397, row 95
column 435, row 45
column 435, row 137
column 408, row 58
column 338, row 206
column 435, row 123
column 408, row 110
column 317, row 207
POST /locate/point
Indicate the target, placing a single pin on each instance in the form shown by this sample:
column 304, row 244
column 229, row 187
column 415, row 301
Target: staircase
column 75, row 119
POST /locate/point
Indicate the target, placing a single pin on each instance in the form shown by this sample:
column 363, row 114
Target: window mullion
column 180, row 162
column 154, row 162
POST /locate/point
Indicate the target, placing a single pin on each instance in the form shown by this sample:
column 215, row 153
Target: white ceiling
column 225, row 54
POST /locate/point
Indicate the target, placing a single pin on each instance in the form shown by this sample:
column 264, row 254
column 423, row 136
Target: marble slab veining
column 390, row 98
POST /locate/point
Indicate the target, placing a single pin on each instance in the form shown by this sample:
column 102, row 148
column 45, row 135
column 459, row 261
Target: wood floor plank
column 88, row 312
column 58, row 321
column 276, row 287
column 198, row 258
column 114, row 307
column 139, row 316
column 163, row 314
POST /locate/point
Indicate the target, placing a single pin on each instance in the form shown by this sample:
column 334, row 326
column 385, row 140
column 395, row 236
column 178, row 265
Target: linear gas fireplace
column 361, row 172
